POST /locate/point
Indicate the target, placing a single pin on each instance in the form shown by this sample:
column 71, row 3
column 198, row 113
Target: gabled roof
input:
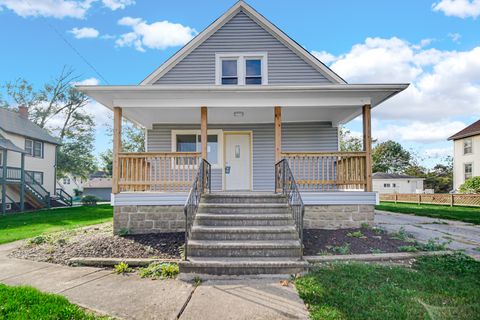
column 383, row 175
column 262, row 21
column 471, row 130
column 12, row 122
column 98, row 183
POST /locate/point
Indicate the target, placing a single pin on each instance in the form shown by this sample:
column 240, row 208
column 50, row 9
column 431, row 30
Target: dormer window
column 241, row 69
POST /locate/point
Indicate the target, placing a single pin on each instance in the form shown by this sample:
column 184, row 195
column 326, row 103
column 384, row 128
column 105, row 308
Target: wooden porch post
column 117, row 147
column 367, row 145
column 4, row 181
column 203, row 131
column 278, row 133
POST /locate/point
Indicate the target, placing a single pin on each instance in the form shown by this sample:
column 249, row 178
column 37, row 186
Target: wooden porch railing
column 328, row 171
column 157, row 171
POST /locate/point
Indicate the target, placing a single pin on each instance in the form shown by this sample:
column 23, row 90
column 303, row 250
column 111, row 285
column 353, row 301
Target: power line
column 72, row 47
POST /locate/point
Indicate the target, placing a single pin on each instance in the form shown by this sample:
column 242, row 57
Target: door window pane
column 229, row 71
column 253, row 71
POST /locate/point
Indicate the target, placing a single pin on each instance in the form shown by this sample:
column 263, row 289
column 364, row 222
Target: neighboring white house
column 396, row 183
column 98, row 187
column 70, row 183
column 466, row 154
column 31, row 184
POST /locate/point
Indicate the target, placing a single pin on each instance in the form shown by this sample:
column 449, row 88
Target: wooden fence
column 470, row 200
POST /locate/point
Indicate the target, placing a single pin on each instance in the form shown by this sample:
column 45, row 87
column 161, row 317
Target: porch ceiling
column 150, row 104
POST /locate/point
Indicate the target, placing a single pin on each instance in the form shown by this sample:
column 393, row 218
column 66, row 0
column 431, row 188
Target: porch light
column 238, row 114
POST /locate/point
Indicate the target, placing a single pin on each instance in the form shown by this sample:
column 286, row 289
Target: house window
column 241, row 69
column 467, row 146
column 386, row 185
column 467, row 170
column 66, row 180
column 394, row 185
column 229, row 71
column 191, row 141
column 36, row 175
column 34, row 148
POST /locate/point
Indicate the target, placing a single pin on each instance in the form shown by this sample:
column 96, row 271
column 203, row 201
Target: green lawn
column 26, row 225
column 24, row 303
column 446, row 287
column 466, row 214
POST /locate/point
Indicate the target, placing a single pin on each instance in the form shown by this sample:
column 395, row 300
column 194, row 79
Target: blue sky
column 434, row 44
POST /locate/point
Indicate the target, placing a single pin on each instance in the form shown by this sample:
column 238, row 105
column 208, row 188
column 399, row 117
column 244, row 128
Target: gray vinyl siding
column 242, row 34
column 314, row 136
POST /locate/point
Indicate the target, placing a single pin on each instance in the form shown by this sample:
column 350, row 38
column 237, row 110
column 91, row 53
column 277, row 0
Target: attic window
column 241, row 69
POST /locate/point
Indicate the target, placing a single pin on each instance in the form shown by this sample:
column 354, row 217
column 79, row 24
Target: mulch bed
column 321, row 241
column 99, row 242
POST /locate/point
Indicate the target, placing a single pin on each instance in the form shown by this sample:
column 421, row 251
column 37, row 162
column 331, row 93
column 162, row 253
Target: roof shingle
column 471, row 130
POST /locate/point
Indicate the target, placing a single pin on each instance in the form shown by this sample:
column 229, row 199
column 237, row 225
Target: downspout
column 22, row 182
column 55, row 171
column 4, row 182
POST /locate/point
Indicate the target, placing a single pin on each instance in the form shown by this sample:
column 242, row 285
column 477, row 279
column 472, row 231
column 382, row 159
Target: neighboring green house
column 27, row 164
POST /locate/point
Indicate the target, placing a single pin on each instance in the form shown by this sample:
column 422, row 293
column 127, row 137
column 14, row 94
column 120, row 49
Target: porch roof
column 338, row 103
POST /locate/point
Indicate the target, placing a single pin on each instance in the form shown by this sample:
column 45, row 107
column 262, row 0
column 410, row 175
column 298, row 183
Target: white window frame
column 217, row 132
column 241, row 67
column 464, row 166
column 471, row 146
column 32, row 153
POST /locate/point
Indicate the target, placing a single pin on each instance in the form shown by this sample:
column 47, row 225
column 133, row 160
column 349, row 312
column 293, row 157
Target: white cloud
column 324, row 56
column 101, row 115
column 88, row 82
column 48, row 8
column 158, row 35
column 444, row 84
column 438, row 152
column 455, row 36
column 81, row 33
column 417, row 131
column 117, row 4
column 458, row 8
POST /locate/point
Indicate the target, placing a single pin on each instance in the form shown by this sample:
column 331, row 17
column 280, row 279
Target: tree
column 440, row 178
column 471, row 185
column 390, row 157
column 133, row 140
column 60, row 109
column 349, row 142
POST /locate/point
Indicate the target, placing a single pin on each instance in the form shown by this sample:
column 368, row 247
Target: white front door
column 237, row 161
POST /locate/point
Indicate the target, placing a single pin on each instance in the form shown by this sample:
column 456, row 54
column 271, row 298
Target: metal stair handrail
column 64, row 196
column 37, row 189
column 201, row 184
column 286, row 185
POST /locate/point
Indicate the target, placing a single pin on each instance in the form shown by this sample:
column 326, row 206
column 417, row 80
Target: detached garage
column 98, row 187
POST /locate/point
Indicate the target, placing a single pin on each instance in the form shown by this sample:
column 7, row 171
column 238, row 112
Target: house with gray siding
column 242, row 149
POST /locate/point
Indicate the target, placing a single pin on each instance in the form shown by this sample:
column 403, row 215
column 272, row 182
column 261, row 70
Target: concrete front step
column 272, row 248
column 242, row 266
column 208, row 219
column 243, row 198
column 244, row 233
column 243, row 208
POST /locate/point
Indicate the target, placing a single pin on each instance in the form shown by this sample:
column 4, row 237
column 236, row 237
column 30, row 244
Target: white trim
column 218, row 132
column 463, row 173
column 241, row 57
column 262, row 21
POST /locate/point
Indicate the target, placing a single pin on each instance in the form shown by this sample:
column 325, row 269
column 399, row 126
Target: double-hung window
column 191, row 141
column 241, row 69
column 34, row 148
column 467, row 146
column 467, row 170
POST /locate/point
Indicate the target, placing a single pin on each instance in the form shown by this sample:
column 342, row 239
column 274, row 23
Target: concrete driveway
column 463, row 236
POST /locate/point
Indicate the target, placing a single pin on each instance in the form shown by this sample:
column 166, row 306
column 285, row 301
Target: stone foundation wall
column 337, row 216
column 148, row 219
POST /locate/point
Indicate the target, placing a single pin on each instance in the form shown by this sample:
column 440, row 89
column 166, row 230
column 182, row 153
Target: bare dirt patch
column 350, row 241
column 98, row 241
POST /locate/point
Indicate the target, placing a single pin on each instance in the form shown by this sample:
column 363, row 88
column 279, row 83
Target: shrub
column 345, row 249
column 407, row 249
column 156, row 270
column 432, row 245
column 471, row 185
column 122, row 268
column 356, row 234
column 89, row 200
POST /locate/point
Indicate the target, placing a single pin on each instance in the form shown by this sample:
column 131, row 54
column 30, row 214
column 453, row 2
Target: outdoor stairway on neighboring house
column 239, row 234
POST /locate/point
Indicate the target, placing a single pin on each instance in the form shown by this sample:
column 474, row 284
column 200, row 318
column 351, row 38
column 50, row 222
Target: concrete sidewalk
column 463, row 236
column 130, row 297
